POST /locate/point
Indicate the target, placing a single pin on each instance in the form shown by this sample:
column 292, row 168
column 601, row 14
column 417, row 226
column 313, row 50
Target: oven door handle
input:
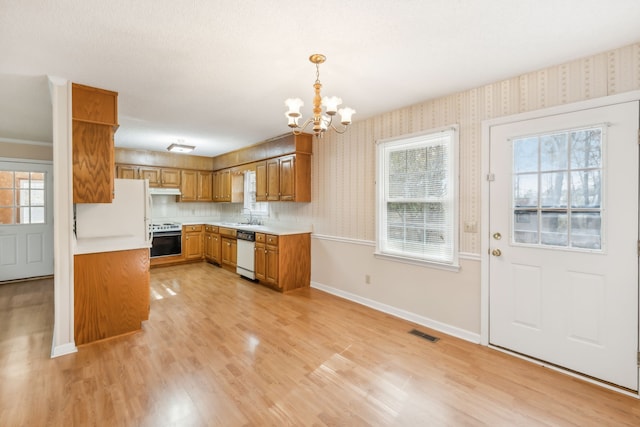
column 169, row 234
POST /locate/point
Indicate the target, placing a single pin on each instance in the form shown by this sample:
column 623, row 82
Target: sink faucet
column 250, row 215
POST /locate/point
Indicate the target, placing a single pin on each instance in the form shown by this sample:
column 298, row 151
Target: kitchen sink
column 240, row 224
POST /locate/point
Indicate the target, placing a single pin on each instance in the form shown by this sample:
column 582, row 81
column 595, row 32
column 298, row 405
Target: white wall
column 343, row 180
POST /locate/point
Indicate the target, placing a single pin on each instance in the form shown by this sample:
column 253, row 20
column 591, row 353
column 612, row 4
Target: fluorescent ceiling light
column 180, row 148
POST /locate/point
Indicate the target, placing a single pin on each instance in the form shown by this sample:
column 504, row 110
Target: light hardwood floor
column 218, row 350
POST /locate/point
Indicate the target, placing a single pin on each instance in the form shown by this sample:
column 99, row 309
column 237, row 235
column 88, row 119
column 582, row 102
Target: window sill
column 423, row 263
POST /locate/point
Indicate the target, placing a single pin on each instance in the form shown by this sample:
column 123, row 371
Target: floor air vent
column 423, row 335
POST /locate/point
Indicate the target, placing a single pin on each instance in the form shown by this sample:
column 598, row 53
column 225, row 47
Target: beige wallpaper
column 344, row 165
column 26, row 151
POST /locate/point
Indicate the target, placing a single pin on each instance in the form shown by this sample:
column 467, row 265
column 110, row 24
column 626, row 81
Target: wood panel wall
column 158, row 158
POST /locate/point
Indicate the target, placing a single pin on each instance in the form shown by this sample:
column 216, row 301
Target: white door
column 563, row 269
column 26, row 220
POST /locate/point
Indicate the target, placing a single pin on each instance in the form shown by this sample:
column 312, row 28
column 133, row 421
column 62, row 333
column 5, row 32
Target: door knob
column 496, row 252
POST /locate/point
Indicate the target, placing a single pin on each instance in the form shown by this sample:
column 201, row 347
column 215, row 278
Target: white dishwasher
column 246, row 253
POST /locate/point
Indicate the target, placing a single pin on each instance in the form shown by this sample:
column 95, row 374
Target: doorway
column 26, row 220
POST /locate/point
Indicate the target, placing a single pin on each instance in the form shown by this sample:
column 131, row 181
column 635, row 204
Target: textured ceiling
column 215, row 73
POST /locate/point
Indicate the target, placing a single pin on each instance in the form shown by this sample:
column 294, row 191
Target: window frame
column 407, row 140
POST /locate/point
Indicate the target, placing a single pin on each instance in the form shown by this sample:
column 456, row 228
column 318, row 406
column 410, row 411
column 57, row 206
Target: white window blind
column 417, row 197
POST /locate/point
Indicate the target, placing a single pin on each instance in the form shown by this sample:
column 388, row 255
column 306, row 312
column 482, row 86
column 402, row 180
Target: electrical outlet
column 367, row 279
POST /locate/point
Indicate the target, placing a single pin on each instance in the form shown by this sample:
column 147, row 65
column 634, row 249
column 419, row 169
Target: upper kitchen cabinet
column 196, row 186
column 127, row 172
column 161, row 177
column 286, row 179
column 95, row 119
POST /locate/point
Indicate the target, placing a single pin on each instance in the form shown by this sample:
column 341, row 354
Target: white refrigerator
column 121, row 225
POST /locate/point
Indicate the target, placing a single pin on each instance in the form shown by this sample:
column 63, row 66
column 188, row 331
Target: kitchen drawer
column 190, row 228
column 211, row 228
column 230, row 232
column 272, row 240
column 261, row 237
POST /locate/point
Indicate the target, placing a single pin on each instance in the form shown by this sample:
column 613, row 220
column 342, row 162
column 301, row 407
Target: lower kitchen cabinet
column 192, row 246
column 212, row 244
column 228, row 248
column 283, row 262
column 111, row 294
column 229, row 252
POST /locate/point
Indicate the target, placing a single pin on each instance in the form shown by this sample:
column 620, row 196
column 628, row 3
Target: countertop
column 276, row 229
column 108, row 244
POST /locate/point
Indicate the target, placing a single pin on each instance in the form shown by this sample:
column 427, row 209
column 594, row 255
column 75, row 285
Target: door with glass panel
column 563, row 269
column 26, row 220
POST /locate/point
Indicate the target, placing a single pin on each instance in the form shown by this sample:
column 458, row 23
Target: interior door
column 563, row 264
column 26, row 220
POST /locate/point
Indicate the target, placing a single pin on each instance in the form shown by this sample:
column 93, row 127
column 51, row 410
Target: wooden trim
column 275, row 147
column 160, row 159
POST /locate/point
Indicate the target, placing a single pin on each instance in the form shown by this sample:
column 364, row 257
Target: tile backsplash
column 165, row 208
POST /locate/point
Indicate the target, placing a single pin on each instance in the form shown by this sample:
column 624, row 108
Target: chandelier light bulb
column 294, row 105
column 330, row 104
column 293, row 121
column 345, row 115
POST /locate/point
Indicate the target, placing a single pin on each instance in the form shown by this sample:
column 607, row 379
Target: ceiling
column 215, row 73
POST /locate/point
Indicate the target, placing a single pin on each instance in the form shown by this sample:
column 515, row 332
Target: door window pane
column 22, row 197
column 553, row 190
column 558, row 177
column 525, row 227
column 554, row 229
column 586, row 149
column 585, row 230
column 586, row 191
column 553, row 152
column 525, row 190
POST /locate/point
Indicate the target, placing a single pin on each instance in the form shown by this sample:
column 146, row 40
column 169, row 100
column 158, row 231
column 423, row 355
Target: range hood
column 154, row 191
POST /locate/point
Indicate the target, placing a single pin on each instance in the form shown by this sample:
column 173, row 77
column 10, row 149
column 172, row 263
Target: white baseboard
column 403, row 314
column 61, row 350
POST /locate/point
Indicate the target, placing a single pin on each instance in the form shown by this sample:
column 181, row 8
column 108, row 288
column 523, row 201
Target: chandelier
column 321, row 122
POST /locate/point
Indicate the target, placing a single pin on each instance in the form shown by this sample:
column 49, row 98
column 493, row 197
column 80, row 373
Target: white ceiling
column 215, row 73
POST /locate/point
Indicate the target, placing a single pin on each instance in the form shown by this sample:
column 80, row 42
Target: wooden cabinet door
column 193, row 245
column 188, row 186
column 127, row 172
column 111, row 293
column 271, row 263
column 288, row 178
column 224, row 185
column 205, row 186
column 273, row 180
column 93, row 163
column 229, row 254
column 260, row 260
column 152, row 174
column 212, row 247
column 170, row 178
column 261, row 182
column 208, row 246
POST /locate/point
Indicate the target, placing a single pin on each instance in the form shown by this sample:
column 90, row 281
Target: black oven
column 166, row 243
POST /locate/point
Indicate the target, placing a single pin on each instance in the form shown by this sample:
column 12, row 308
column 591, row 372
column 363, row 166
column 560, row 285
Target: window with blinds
column 417, row 197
